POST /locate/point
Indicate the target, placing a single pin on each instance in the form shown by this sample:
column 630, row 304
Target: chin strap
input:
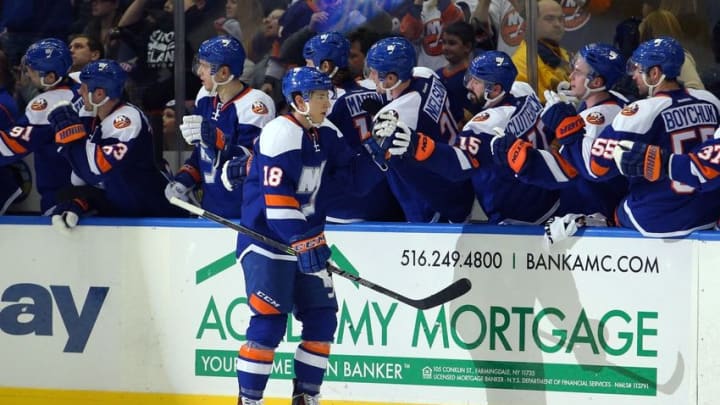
column 651, row 88
column 213, row 91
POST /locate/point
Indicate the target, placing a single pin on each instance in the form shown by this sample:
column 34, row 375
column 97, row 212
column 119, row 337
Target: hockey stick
column 449, row 293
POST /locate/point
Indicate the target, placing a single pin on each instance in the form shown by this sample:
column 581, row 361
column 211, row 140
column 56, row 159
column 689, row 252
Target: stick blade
column 447, row 294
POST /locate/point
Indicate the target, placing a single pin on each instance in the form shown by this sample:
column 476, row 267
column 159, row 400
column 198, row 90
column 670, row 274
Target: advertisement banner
column 163, row 309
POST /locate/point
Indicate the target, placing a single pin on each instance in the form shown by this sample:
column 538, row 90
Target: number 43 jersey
column 677, row 121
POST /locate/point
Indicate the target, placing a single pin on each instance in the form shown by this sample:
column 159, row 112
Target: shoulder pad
column 639, row 116
column 485, row 121
column 328, row 124
column 255, row 108
column 706, row 96
column 598, row 117
column 123, row 124
column 279, row 136
column 423, row 72
column 202, row 93
column 39, row 107
column 520, row 89
column 407, row 106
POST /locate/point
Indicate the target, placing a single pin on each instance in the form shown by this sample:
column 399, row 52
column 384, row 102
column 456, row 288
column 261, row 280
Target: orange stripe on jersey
column 321, row 348
column 598, row 170
column 276, row 200
column 12, row 144
column 100, row 160
column 566, row 167
column 707, row 172
column 261, row 306
column 253, row 353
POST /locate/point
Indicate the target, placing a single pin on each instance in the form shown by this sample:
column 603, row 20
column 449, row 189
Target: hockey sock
column 253, row 366
column 311, row 360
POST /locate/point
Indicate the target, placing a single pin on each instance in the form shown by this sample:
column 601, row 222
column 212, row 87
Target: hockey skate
column 305, row 399
column 248, row 401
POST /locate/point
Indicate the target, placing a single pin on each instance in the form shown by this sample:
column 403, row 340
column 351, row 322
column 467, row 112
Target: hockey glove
column 66, row 124
column 235, row 171
column 196, row 130
column 384, row 125
column 179, row 190
column 312, row 251
column 562, row 121
column 509, row 151
column 66, row 215
column 637, row 159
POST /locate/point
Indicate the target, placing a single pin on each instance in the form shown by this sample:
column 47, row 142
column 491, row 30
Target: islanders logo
column 595, row 118
column 629, row 110
column 258, row 107
column 483, row 116
column 39, row 104
column 121, row 121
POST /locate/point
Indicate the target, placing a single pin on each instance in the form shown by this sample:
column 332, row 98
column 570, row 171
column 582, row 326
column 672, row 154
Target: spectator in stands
column 199, row 20
column 84, row 49
column 553, row 62
column 423, row 25
column 105, row 15
column 660, row 23
column 360, row 41
column 27, row 21
column 262, row 44
column 711, row 74
column 458, row 42
column 503, row 21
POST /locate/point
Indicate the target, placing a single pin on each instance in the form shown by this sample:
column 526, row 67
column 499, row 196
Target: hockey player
column 675, row 119
column 282, row 200
column 329, row 53
column 228, row 117
column 418, row 98
column 112, row 160
column 46, row 63
column 596, row 68
column 504, row 199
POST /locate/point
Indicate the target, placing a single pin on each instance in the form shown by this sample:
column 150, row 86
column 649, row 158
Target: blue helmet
column 330, row 46
column 494, row 67
column 605, row 61
column 392, row 55
column 105, row 74
column 223, row 51
column 665, row 52
column 49, row 55
column 304, row 80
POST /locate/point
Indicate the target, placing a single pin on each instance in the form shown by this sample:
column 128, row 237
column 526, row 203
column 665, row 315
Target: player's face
column 476, row 88
column 453, row 48
column 319, row 104
column 580, row 72
column 85, row 94
column 636, row 71
column 203, row 72
column 381, row 85
column 551, row 21
column 33, row 75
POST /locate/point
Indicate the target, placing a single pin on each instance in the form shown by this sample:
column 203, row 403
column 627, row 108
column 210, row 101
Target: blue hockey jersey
column 238, row 123
column 424, row 195
column 677, row 121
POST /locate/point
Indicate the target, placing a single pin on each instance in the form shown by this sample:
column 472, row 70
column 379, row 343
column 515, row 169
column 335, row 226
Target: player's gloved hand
column 637, row 159
column 197, row 130
column 65, row 215
column 66, row 124
column 564, row 93
column 398, row 143
column 384, row 125
column 509, row 151
column 234, row 171
column 562, row 120
column 178, row 189
column 312, row 251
